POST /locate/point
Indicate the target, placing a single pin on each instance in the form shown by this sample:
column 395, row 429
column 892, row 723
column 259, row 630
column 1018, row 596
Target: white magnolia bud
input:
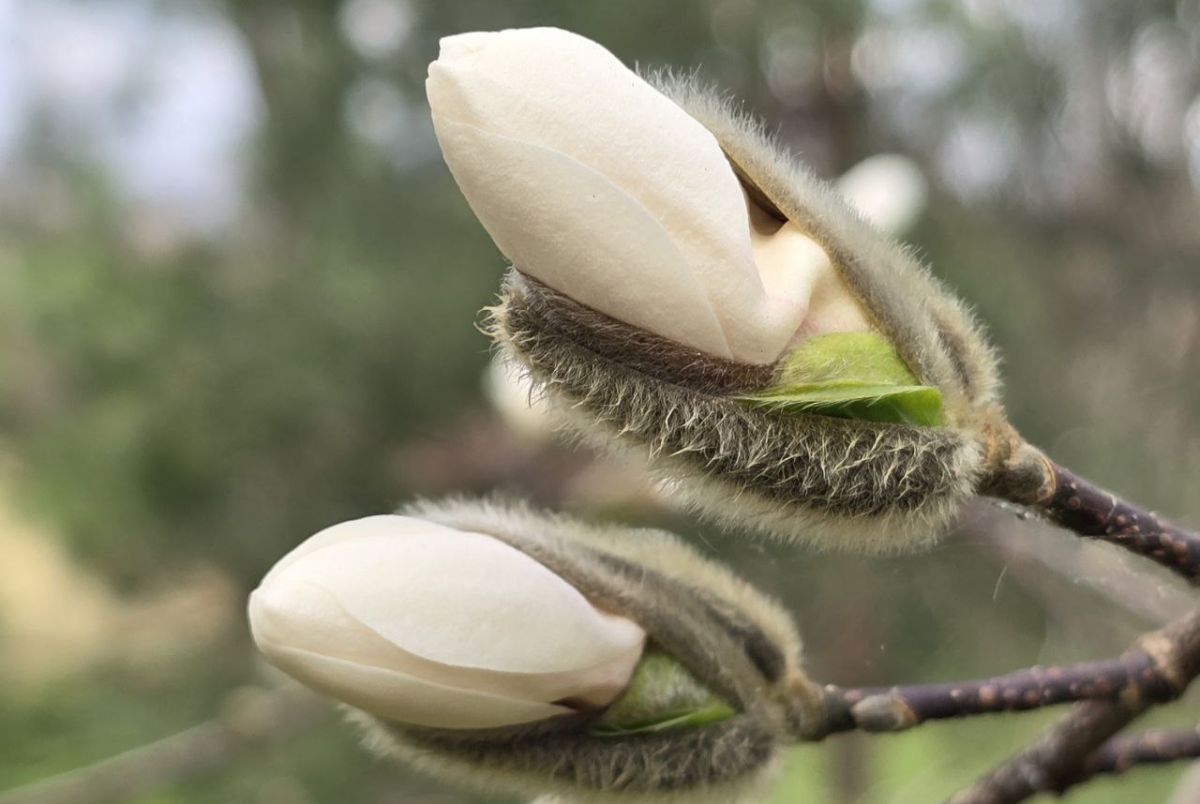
column 888, row 190
column 431, row 626
column 597, row 185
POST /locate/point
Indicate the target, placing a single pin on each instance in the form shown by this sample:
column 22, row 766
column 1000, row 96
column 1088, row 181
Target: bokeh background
column 237, row 288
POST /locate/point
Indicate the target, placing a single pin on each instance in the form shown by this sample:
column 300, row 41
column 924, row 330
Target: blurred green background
column 237, row 288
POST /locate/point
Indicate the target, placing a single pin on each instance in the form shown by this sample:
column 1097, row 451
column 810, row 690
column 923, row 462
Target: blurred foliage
column 174, row 395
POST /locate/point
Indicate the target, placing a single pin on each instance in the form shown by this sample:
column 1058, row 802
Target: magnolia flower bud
column 852, row 400
column 716, row 692
column 646, row 223
column 887, row 189
column 432, row 626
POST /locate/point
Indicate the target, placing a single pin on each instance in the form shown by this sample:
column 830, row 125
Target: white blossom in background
column 593, row 182
column 511, row 394
column 376, row 29
column 889, row 190
column 431, row 626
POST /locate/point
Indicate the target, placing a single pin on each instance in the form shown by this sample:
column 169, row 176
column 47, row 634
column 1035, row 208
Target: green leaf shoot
column 662, row 696
column 852, row 375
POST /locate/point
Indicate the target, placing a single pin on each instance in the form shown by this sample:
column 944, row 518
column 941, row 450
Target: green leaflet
column 852, row 375
column 685, row 720
column 662, row 696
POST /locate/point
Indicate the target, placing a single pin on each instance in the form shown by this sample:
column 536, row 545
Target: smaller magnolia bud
column 714, row 695
column 432, row 626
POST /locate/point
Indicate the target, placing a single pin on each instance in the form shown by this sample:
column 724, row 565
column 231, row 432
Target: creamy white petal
column 568, row 94
column 385, row 524
column 305, row 616
column 565, row 92
column 466, row 599
column 395, row 695
column 829, row 306
column 573, row 229
column 826, row 303
column 832, row 309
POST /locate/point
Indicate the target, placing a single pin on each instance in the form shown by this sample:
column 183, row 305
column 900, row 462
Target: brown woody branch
column 1060, row 757
column 879, row 709
column 1154, row 747
column 1031, row 479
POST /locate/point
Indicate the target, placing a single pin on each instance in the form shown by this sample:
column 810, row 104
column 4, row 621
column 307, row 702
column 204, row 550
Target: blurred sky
column 165, row 96
column 167, row 100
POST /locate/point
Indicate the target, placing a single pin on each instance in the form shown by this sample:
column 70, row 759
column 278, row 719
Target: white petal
column 298, row 614
column 573, row 229
column 828, row 304
column 465, row 599
column 569, row 95
column 398, row 696
column 384, row 524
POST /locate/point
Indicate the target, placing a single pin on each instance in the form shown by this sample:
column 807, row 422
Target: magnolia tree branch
column 1088, row 510
column 877, row 709
column 1154, row 747
column 1061, row 756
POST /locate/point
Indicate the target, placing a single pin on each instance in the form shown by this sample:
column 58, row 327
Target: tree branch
column 877, row 709
column 1088, row 510
column 1154, row 747
column 1059, row 757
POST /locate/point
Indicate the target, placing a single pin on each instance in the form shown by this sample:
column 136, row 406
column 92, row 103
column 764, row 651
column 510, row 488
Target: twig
column 1088, row 510
column 898, row 708
column 1123, row 754
column 251, row 717
column 1058, row 758
column 1154, row 747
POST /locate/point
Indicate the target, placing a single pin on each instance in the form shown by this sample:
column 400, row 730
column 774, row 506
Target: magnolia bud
column 887, row 189
column 595, row 184
column 855, row 404
column 432, row 626
column 715, row 694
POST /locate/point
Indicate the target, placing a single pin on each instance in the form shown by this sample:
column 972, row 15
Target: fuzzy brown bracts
column 825, row 481
column 931, row 328
column 737, row 642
